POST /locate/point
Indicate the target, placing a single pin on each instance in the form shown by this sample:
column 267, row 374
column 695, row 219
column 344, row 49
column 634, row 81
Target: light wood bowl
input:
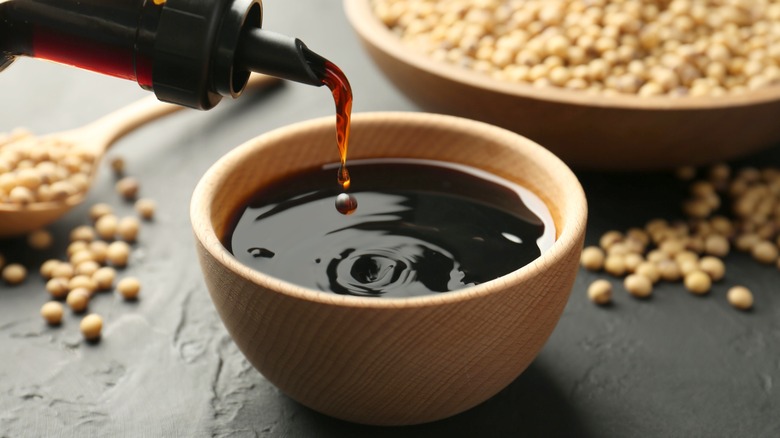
column 389, row 361
column 625, row 132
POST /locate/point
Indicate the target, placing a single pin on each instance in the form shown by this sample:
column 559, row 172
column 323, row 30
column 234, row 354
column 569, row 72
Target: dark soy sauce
column 423, row 227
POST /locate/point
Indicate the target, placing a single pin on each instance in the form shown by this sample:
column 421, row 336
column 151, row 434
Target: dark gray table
column 676, row 365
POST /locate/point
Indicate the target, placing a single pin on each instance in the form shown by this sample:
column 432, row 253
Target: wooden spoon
column 93, row 139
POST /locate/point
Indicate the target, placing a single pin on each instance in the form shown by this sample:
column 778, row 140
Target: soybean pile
column 33, row 171
column 725, row 210
column 635, row 47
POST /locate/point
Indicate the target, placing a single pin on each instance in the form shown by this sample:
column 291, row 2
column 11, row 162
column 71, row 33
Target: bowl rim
column 569, row 237
column 373, row 32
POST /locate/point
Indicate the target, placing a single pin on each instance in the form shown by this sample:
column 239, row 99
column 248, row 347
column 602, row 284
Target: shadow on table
column 531, row 406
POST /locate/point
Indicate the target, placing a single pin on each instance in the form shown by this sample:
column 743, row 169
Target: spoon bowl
column 92, row 141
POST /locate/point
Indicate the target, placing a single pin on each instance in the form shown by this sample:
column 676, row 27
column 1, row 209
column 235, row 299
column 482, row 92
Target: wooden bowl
column 624, row 132
column 390, row 361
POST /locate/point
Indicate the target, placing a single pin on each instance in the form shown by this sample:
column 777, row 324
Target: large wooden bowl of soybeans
column 625, row 125
column 380, row 360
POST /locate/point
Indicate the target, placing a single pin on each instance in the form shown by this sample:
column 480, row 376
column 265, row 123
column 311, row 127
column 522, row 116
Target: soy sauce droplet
column 346, row 204
column 343, row 177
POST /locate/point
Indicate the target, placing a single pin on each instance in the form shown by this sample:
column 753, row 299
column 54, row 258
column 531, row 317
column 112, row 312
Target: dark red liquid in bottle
column 84, row 53
column 105, row 36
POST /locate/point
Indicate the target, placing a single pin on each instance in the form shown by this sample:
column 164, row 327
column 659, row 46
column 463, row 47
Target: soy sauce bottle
column 188, row 52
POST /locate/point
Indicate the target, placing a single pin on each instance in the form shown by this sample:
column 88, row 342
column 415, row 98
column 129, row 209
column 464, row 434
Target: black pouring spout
column 274, row 54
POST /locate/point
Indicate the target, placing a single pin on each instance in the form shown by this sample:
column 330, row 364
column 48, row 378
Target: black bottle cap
column 194, row 50
column 205, row 49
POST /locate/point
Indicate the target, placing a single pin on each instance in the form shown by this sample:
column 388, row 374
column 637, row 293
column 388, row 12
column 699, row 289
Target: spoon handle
column 113, row 126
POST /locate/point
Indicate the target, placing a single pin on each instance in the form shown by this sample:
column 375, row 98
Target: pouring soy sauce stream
column 326, row 73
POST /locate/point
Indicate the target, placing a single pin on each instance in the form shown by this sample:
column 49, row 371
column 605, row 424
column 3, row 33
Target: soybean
column 740, row 297
column 145, row 208
column 14, row 273
column 592, row 258
column 714, row 267
column 78, row 299
column 638, row 285
column 91, row 327
column 600, row 292
column 129, row 288
column 58, row 287
column 698, row 282
column 128, row 187
column 127, row 229
column 764, row 252
column 118, row 253
column 52, row 312
column 40, row 239
column 104, row 278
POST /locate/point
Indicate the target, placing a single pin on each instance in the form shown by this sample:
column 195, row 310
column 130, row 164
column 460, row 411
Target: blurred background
column 674, row 365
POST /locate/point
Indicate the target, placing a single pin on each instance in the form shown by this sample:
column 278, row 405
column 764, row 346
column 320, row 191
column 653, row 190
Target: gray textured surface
column 676, row 365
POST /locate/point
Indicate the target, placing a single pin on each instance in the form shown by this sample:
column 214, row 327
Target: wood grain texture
column 595, row 132
column 390, row 361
